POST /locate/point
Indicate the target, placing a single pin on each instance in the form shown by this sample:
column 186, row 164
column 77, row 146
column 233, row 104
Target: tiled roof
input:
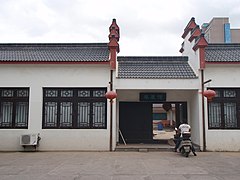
column 222, row 52
column 155, row 67
column 57, row 52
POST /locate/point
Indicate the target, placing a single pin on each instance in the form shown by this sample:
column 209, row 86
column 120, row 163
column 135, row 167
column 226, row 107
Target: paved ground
column 119, row 166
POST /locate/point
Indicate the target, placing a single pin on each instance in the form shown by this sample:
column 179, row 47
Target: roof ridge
column 222, row 45
column 149, row 56
column 11, row 45
column 152, row 58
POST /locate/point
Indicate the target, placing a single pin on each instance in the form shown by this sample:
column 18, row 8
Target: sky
column 147, row 27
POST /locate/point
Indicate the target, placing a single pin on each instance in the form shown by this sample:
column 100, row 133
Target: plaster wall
column 38, row 76
column 193, row 56
column 223, row 140
column 195, row 118
column 148, row 84
column 222, row 76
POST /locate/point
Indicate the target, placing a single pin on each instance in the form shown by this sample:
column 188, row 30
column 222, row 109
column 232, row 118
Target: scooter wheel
column 182, row 151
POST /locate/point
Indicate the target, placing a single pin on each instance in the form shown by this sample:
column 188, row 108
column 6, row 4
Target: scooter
column 185, row 147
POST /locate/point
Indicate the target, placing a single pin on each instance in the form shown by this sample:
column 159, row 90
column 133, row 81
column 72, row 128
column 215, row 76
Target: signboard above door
column 152, row 97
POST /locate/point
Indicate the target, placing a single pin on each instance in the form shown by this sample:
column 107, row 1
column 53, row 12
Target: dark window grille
column 230, row 115
column 84, row 93
column 50, row 114
column 66, row 114
column 74, row 108
column 14, row 107
column 99, row 93
column 67, row 93
column 6, row 114
column 224, row 110
column 51, row 93
column 83, row 120
column 7, row 93
column 229, row 93
column 218, row 93
column 214, row 115
column 21, row 114
column 22, row 93
column 98, row 114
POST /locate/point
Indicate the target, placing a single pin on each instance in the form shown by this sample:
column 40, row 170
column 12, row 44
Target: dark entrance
column 136, row 121
column 139, row 121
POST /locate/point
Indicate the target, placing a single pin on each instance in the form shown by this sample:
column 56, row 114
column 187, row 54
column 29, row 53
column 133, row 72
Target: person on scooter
column 183, row 128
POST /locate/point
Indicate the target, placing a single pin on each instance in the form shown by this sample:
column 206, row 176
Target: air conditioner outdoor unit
column 29, row 139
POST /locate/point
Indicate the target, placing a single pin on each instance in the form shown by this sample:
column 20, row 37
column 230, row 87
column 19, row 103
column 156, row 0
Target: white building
column 58, row 91
column 220, row 63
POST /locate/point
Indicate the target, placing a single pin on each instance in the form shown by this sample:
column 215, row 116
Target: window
column 76, row 108
column 224, row 110
column 14, row 107
column 159, row 116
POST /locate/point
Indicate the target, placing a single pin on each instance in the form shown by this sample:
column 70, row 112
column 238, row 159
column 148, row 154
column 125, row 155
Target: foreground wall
column 38, row 76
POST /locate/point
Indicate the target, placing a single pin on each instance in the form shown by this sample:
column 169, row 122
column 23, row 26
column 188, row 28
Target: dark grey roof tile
column 58, row 52
column 225, row 52
column 162, row 67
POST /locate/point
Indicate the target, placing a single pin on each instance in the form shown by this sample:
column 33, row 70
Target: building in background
column 219, row 30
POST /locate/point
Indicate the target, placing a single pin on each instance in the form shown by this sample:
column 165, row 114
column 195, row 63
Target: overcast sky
column 147, row 27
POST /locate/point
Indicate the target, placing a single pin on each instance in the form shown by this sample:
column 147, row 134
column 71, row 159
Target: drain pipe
column 111, row 95
column 111, row 109
column 203, row 112
column 203, row 109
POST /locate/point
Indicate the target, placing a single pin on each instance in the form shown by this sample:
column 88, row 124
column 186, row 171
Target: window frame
column 220, row 99
column 15, row 99
column 75, row 100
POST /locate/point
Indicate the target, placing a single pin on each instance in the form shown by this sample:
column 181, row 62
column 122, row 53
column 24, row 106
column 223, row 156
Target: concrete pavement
column 119, row 166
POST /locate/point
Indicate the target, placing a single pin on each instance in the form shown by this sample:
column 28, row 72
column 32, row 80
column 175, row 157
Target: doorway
column 135, row 122
column 166, row 116
column 150, row 122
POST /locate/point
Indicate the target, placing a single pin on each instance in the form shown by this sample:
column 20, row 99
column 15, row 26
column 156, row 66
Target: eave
column 51, row 62
column 189, row 27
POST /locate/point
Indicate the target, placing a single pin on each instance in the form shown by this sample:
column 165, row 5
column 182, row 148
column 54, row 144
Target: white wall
column 223, row 75
column 38, row 76
column 223, row 140
column 193, row 56
column 196, row 118
column 148, row 84
column 227, row 76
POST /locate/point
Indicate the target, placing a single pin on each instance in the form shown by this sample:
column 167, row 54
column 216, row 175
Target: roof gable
column 191, row 25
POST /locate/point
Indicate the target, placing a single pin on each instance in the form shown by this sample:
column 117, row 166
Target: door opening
column 163, row 120
column 165, row 117
column 148, row 122
column 135, row 122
